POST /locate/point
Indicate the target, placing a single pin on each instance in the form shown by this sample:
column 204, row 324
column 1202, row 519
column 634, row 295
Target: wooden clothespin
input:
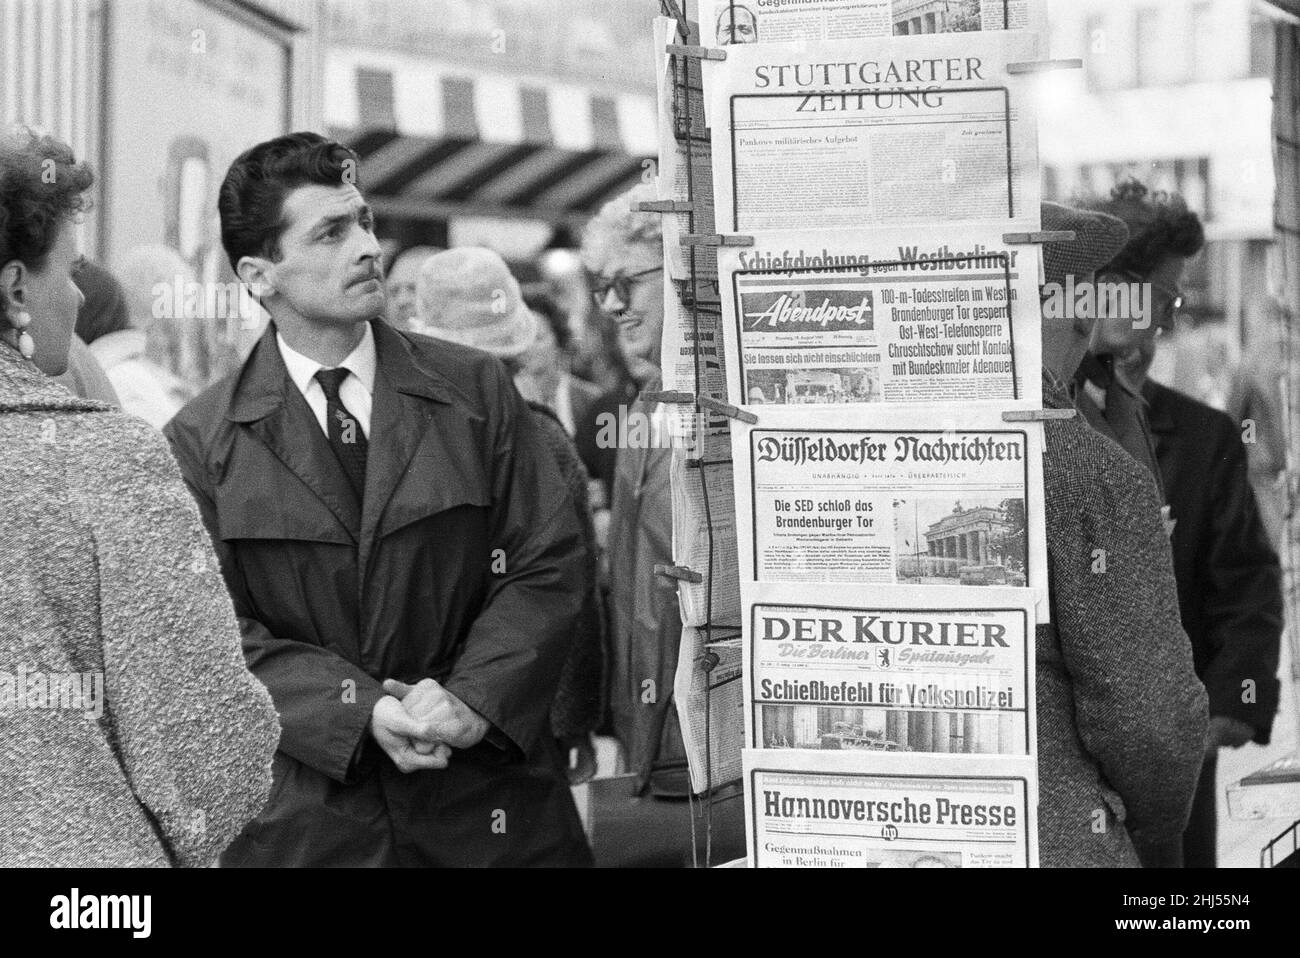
column 1037, row 415
column 1039, row 236
column 716, row 239
column 665, row 206
column 695, row 52
column 678, row 572
column 669, row 396
column 728, row 410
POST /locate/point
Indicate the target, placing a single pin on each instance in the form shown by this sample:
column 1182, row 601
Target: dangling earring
column 26, row 345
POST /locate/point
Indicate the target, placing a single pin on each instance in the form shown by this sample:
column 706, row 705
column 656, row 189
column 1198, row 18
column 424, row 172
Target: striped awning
column 1287, row 6
column 439, row 140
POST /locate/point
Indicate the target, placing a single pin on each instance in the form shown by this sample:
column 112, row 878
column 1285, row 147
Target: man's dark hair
column 251, row 201
column 545, row 306
column 42, row 186
column 1159, row 225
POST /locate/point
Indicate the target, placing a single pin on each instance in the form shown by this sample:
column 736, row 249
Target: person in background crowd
column 400, row 285
column 1229, row 579
column 101, row 308
column 144, row 389
column 1255, row 405
column 1108, row 393
column 544, row 375
column 592, row 353
column 1121, row 715
column 83, row 376
column 145, row 272
column 622, row 251
column 543, row 378
column 599, row 457
column 400, row 548
column 110, row 585
column 468, row 296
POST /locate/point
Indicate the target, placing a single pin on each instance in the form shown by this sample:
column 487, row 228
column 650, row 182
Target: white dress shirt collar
column 361, row 363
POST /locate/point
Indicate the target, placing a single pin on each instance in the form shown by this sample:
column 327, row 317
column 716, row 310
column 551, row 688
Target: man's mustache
column 376, row 272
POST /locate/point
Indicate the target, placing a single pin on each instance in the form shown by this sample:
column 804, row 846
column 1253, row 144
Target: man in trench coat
column 410, row 620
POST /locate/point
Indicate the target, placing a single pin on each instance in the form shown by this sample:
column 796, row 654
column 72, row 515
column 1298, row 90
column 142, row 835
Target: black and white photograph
column 883, row 730
column 979, row 540
column 804, row 387
column 319, row 550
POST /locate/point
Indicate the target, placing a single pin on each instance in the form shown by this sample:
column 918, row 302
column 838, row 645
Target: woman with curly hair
column 131, row 733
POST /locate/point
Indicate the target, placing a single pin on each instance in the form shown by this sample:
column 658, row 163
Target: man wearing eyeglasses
column 622, row 250
column 1229, row 581
column 1108, row 381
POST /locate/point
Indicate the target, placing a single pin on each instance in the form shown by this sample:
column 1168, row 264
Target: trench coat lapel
column 277, row 414
column 408, row 399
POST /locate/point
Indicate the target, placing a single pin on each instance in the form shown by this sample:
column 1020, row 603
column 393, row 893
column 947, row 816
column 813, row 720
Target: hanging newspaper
column 732, row 22
column 685, row 170
column 907, row 316
column 890, row 669
column 838, row 810
column 907, row 497
column 878, row 132
column 709, row 697
column 691, row 348
column 701, row 480
column 704, row 539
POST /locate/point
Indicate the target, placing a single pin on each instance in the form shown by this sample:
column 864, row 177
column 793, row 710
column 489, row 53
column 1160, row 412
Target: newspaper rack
column 687, row 48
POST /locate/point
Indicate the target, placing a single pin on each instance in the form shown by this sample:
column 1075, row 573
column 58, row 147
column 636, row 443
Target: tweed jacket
column 111, row 580
column 1121, row 714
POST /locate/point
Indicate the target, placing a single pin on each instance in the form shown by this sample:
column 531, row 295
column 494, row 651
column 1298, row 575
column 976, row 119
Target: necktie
column 346, row 437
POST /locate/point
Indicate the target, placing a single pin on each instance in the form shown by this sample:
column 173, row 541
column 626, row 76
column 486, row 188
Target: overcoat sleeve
column 1240, row 595
column 509, row 666
column 196, row 731
column 324, row 700
column 1139, row 708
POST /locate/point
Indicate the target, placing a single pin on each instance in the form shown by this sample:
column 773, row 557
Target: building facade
column 1178, row 94
column 967, row 535
column 89, row 72
column 935, row 16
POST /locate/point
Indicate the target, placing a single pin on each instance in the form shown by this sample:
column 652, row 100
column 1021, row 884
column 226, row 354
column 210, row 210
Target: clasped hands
column 418, row 725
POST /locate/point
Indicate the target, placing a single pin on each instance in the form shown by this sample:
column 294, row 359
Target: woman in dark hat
column 131, row 733
column 1121, row 714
